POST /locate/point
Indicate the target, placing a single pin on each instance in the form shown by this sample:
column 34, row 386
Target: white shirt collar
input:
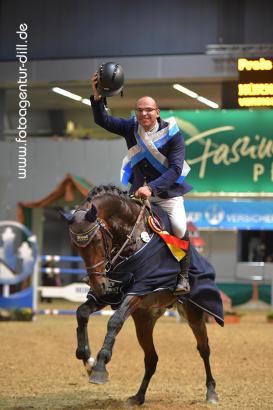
column 154, row 129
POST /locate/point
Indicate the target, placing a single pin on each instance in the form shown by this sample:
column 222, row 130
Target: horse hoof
column 89, row 364
column 134, row 401
column 98, row 377
column 212, row 398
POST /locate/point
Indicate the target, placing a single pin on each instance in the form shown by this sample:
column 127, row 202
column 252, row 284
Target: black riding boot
column 183, row 285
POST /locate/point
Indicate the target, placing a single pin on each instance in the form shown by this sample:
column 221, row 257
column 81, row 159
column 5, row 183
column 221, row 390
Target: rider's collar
column 154, row 129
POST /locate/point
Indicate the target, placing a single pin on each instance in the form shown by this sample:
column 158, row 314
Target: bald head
column 147, row 112
column 151, row 102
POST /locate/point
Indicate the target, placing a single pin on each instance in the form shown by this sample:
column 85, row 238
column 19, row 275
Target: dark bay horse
column 107, row 229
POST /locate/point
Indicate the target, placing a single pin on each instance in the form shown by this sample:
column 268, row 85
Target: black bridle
column 83, row 239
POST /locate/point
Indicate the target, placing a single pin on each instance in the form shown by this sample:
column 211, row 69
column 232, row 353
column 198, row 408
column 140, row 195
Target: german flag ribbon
column 178, row 247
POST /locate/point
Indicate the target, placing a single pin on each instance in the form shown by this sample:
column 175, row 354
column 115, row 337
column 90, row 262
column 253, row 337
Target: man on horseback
column 155, row 164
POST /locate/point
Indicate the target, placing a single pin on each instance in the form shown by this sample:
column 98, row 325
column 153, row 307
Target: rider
column 161, row 184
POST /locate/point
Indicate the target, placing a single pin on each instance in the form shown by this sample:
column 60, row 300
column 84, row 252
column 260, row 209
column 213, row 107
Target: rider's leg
column 183, row 284
column 176, row 212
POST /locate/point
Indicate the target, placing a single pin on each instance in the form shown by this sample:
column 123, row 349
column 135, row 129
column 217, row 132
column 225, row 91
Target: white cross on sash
column 147, row 147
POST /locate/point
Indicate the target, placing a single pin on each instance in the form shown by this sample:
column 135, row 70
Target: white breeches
column 176, row 211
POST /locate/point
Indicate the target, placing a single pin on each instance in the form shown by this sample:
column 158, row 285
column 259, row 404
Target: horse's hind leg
column 83, row 351
column 196, row 319
column 144, row 323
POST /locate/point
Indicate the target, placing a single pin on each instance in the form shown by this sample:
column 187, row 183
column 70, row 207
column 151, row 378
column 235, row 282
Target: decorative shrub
column 24, row 314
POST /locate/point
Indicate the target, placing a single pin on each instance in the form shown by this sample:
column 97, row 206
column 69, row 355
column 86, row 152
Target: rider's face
column 147, row 112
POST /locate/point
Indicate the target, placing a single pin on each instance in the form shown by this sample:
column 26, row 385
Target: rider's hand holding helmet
column 94, row 82
column 108, row 81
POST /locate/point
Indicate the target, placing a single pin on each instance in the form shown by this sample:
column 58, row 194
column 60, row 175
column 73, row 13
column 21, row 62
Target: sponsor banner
column 235, row 214
column 229, row 151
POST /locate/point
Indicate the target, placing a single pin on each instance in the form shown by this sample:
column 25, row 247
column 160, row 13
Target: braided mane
column 127, row 207
column 110, row 189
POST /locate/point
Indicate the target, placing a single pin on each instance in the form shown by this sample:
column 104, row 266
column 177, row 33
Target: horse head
column 93, row 240
column 107, row 219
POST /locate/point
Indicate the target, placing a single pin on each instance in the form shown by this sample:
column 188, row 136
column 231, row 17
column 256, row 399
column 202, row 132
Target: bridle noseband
column 83, row 239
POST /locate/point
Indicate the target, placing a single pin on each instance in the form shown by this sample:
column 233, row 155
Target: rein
column 129, row 237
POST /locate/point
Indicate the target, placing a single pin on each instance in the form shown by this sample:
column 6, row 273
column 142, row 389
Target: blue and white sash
column 147, row 147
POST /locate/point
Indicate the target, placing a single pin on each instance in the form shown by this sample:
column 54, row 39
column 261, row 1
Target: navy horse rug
column 154, row 268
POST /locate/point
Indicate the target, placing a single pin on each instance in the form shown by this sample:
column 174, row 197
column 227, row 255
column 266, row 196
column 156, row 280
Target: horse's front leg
column 83, row 351
column 99, row 374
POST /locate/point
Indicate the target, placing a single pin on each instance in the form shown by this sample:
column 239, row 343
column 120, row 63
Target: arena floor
column 38, row 369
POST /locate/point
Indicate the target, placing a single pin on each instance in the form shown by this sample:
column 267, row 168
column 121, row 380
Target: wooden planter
column 227, row 319
column 232, row 319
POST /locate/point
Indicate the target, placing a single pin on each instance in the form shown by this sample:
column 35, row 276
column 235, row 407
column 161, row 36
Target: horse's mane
column 127, row 206
column 109, row 189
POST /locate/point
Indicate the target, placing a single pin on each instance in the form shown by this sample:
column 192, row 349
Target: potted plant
column 269, row 317
column 24, row 314
column 231, row 316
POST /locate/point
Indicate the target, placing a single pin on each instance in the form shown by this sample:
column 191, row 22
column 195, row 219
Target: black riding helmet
column 110, row 79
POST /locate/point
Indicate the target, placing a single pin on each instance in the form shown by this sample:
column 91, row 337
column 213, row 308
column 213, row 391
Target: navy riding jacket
column 162, row 185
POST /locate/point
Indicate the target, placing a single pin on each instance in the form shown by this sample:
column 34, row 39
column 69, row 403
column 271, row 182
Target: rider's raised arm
column 113, row 124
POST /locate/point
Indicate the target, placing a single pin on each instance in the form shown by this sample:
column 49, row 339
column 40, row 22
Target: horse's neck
column 120, row 216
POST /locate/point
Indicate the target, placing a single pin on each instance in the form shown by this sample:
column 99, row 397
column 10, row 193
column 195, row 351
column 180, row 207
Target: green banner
column 229, row 151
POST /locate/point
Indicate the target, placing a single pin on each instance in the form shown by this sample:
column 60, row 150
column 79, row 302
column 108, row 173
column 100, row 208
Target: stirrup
column 183, row 285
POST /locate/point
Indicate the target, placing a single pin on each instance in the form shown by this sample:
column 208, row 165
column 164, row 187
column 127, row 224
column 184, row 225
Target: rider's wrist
column 95, row 97
column 150, row 189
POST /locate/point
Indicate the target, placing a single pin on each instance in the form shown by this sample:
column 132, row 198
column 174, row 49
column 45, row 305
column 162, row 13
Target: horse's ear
column 68, row 217
column 91, row 214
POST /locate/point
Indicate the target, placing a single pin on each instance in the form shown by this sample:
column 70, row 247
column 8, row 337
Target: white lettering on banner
column 194, row 216
column 258, row 170
column 76, row 292
column 267, row 218
column 227, row 155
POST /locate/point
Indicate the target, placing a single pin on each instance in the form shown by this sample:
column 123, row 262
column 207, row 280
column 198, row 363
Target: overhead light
column 192, row 94
column 185, row 90
column 207, row 102
column 73, row 96
column 86, row 101
column 67, row 93
column 257, row 277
